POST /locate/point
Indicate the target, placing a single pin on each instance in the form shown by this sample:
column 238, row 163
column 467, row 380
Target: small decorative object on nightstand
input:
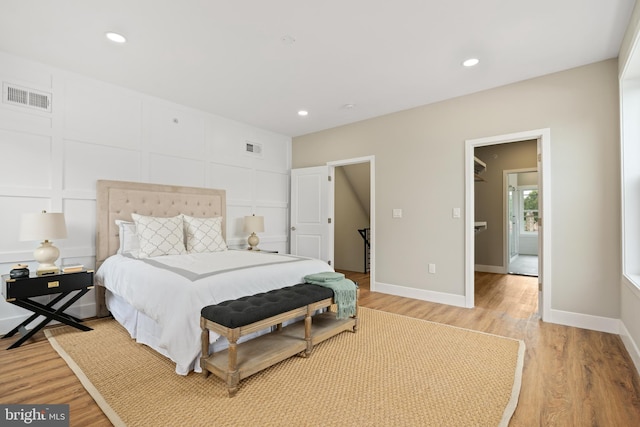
column 44, row 226
column 19, row 271
column 20, row 291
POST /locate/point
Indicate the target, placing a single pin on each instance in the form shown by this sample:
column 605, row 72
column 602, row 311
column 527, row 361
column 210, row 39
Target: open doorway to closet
column 487, row 252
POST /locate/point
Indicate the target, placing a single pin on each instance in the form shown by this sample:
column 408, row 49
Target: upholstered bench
column 236, row 318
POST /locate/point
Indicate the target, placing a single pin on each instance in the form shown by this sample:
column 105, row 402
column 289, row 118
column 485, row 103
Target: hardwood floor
column 572, row 377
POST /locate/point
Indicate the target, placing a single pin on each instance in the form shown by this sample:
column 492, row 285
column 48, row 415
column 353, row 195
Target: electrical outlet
column 432, row 269
column 456, row 213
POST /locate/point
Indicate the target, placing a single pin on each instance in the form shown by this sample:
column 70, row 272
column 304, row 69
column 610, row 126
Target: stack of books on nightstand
column 71, row 268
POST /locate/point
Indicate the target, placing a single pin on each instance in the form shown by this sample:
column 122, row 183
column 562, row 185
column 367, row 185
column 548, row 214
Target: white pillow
column 204, row 234
column 159, row 236
column 129, row 242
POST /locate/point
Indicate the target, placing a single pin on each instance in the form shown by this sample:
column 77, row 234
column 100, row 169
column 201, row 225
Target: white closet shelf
column 479, row 226
column 478, row 167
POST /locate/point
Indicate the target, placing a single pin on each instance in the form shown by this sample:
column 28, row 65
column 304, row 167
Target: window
column 529, row 209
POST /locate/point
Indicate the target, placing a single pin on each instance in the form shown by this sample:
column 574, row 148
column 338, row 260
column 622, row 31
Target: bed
column 158, row 298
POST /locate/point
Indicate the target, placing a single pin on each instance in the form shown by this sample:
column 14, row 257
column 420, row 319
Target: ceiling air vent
column 25, row 97
column 252, row 148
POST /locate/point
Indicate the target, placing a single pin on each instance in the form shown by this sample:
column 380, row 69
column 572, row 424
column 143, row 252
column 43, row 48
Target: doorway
column 521, row 227
column 352, row 207
column 313, row 212
column 543, row 141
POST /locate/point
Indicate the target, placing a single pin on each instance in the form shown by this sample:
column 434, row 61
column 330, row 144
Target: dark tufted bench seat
column 235, row 318
column 250, row 309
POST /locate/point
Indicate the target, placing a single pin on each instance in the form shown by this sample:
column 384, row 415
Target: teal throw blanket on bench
column 344, row 291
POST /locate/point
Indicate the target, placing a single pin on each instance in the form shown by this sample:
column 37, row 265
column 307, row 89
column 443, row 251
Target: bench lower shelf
column 266, row 350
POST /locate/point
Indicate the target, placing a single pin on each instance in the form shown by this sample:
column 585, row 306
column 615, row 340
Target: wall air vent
column 252, row 148
column 25, row 97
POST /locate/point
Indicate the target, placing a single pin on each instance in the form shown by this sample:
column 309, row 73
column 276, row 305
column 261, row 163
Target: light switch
column 456, row 212
column 397, row 213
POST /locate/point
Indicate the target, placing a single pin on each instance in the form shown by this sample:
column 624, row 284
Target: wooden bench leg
column 307, row 332
column 233, row 376
column 204, row 339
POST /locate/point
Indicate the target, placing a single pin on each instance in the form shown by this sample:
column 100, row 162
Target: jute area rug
column 395, row 371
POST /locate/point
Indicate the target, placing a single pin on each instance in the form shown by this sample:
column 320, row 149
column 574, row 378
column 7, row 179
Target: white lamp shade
column 43, row 226
column 254, row 224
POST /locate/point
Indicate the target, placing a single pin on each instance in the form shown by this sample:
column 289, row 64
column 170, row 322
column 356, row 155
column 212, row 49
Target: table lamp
column 44, row 226
column 253, row 224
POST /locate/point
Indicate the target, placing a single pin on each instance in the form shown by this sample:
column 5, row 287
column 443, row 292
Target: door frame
column 372, row 209
column 543, row 136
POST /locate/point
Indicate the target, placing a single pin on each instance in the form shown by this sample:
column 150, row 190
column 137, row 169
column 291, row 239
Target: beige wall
column 489, row 195
column 420, row 168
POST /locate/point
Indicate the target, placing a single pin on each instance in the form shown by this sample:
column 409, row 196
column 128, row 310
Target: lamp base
column 46, row 255
column 253, row 241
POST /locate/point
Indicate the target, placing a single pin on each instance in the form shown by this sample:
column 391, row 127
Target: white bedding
column 171, row 290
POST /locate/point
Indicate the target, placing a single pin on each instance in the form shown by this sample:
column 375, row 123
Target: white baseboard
column 420, row 294
column 496, row 269
column 577, row 320
column 630, row 345
column 585, row 321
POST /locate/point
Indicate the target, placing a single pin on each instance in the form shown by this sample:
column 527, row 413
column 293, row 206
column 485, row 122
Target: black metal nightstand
column 20, row 291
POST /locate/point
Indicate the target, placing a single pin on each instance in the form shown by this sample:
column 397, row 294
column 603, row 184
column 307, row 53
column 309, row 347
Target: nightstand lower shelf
column 20, row 292
column 49, row 312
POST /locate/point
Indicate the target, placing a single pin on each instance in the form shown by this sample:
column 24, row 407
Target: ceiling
column 259, row 61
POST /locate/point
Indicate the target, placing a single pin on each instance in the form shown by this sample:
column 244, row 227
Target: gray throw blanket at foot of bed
column 344, row 291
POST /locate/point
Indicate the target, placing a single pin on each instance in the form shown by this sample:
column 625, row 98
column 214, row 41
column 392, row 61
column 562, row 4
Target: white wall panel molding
column 236, row 180
column 101, row 131
column 268, row 204
column 176, row 171
column 86, row 163
column 175, row 131
column 38, row 193
column 101, row 113
column 7, row 259
column 16, row 119
column 28, row 160
column 240, row 203
column 271, row 187
column 10, row 219
column 79, row 194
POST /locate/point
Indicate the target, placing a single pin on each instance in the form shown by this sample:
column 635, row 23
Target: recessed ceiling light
column 471, row 62
column 349, row 106
column 303, row 113
column 115, row 37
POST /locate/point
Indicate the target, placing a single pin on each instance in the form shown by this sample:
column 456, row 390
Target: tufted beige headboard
column 119, row 199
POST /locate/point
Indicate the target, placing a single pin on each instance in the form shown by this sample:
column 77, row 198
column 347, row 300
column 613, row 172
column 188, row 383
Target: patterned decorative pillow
column 204, row 234
column 159, row 236
column 129, row 242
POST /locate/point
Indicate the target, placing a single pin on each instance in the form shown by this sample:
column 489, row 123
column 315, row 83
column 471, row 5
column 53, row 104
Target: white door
column 541, row 233
column 309, row 212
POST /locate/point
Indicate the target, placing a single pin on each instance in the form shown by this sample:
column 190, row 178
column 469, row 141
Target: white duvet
column 173, row 289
